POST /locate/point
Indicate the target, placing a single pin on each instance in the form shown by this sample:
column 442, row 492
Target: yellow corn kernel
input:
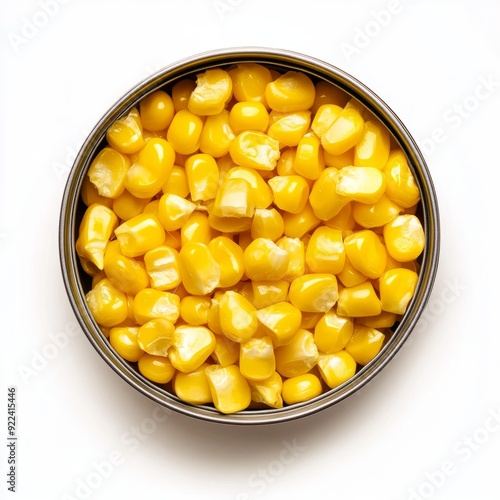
column 286, row 161
column 401, row 186
column 374, row 147
column 203, row 177
column 125, row 134
column 157, row 111
column 366, row 253
column 150, row 303
column 184, row 133
column 339, row 161
column 267, row 293
column 257, row 358
column 376, row 214
column 325, row 201
column 173, row 239
column 383, row 320
column 350, row 276
column 288, row 128
column 214, row 313
column 345, row 132
column 336, row 368
column 199, row 270
column 324, row 118
column 217, row 135
column 196, row 229
column 292, row 91
column 364, row 344
column 107, row 172
column 328, row 93
column 267, row 391
column 125, row 273
column 291, row 192
column 264, row 260
column 357, row 301
column 107, row 304
column 397, row 287
column 333, row 332
column 124, row 341
column 193, row 387
column 255, row 150
column 237, row 316
column 194, row 310
column 150, row 171
column 231, row 225
column 174, row 211
column 310, row 320
column 248, row 115
column 90, row 195
column 314, row 292
column 249, row 82
column 343, row 220
column 140, row 234
column 235, row 198
column 176, row 183
column 226, row 351
column 163, row 267
column 152, row 208
column 97, row 226
column 281, row 321
column 158, row 369
column 363, row 184
column 301, row 388
column 127, row 205
column 309, row 160
column 214, row 89
column 325, row 251
column 262, row 194
column 156, row 336
column 267, row 223
column 295, row 249
column 229, row 256
column 298, row 356
column 191, row 347
column 181, row 92
column 229, row 388
column 404, row 238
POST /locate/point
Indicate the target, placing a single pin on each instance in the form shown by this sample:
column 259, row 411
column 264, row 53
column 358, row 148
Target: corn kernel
column 125, row 273
column 255, row 150
column 248, row 115
column 376, row 214
column 397, row 287
column 267, row 223
column 157, row 111
column 235, row 198
column 181, row 92
column 125, row 134
column 366, row 253
column 127, row 205
column 325, row 251
column 267, row 391
column 238, row 317
column 325, row 201
column 357, row 301
column 267, row 293
column 150, row 171
column 374, row 147
column 292, row 91
column 156, row 368
column 345, row 132
column 203, row 177
column 288, row 128
column 404, row 238
column 194, row 310
column 314, row 292
column 184, row 133
column 229, row 256
column 343, row 220
column 213, row 90
column 124, row 341
column 193, row 387
column 228, row 224
column 294, row 247
column 328, row 93
column 176, row 183
column 290, row 192
column 281, row 321
column 350, row 276
column 301, row 388
column 262, row 194
column 150, row 303
column 191, row 346
column 196, row 229
column 90, row 195
column 249, row 82
column 217, row 135
column 336, row 368
column 257, row 358
column 339, row 161
column 140, row 234
column 107, row 172
column 264, row 260
column 229, row 388
column 107, row 304
column 332, row 332
column 297, row 225
column 310, row 320
column 152, row 208
column 309, row 160
column 298, row 356
column 363, row 184
column 383, row 320
column 174, row 211
column 286, row 161
column 199, row 270
column 156, row 336
column 97, row 226
column 365, row 344
column 163, row 267
column 226, row 351
column 401, row 186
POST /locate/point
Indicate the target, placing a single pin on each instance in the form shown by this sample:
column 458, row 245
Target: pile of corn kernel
column 251, row 236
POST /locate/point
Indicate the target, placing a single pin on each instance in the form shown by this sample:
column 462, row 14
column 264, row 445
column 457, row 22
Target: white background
column 424, row 428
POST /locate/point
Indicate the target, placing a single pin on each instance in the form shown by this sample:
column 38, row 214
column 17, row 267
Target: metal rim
column 286, row 60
